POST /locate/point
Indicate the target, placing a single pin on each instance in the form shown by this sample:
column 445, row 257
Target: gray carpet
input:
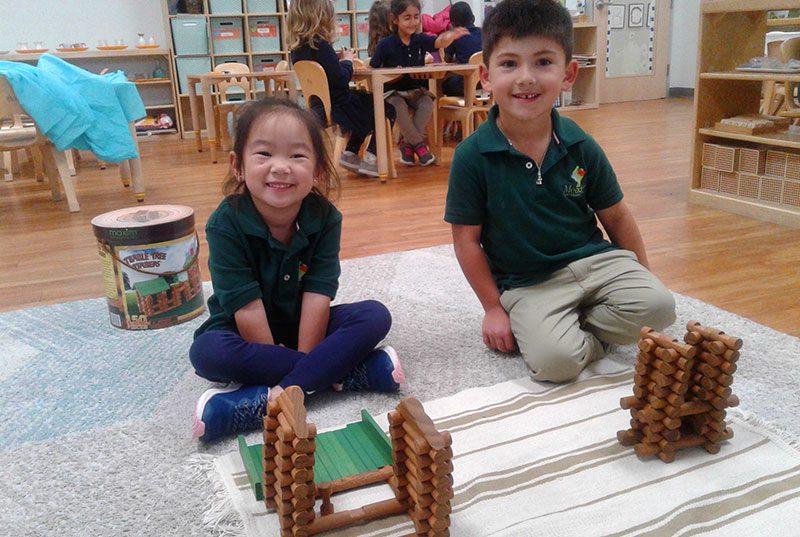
column 94, row 435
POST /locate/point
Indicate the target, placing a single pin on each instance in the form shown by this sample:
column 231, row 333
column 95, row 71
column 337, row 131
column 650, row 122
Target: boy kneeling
column 525, row 193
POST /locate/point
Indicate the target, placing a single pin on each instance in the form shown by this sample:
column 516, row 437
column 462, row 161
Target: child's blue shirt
column 392, row 52
column 465, row 46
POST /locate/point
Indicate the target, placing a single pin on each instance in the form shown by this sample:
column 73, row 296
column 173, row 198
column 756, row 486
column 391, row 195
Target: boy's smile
column 526, row 76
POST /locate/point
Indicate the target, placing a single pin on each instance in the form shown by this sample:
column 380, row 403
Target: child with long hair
column 274, row 261
column 408, row 96
column 379, row 24
column 312, row 30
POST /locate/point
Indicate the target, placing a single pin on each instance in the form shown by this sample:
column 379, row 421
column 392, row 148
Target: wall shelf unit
column 585, row 92
column 157, row 95
column 252, row 32
column 760, row 173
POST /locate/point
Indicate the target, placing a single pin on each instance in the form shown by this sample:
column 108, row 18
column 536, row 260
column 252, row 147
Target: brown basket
column 728, row 183
column 792, row 166
column 709, row 155
column 748, row 185
column 752, row 160
column 709, row 179
column 726, row 158
column 771, row 188
column 791, row 193
column 776, row 163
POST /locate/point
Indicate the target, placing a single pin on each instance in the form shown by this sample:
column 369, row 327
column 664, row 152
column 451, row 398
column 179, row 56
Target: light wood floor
column 744, row 266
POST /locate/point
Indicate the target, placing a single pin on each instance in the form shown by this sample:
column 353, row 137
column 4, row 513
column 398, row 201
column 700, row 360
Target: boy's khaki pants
column 565, row 322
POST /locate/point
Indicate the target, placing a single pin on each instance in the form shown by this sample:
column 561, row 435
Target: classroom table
column 433, row 71
column 207, row 80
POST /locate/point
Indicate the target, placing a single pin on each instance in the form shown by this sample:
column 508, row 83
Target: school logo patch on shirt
column 302, row 268
column 578, row 175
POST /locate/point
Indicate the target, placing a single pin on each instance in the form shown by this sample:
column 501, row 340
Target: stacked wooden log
column 681, row 391
column 289, row 444
column 423, row 468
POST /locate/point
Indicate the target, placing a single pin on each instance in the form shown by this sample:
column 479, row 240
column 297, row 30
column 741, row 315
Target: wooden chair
column 18, row 131
column 456, row 109
column 790, row 50
column 772, row 91
column 241, row 88
column 314, row 84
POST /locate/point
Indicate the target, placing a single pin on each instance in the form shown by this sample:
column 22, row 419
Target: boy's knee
column 661, row 312
column 556, row 364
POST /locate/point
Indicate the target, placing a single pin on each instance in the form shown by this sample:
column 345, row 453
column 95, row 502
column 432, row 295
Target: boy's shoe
column 350, row 161
column 424, row 154
column 380, row 371
column 369, row 165
column 230, row 410
column 407, row 155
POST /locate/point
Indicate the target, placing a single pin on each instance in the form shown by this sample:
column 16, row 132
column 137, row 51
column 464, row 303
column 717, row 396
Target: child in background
column 461, row 49
column 410, row 97
column 312, row 29
column 526, row 190
column 379, row 25
column 274, row 261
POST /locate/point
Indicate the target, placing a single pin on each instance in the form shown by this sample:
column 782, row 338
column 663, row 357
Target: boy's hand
column 497, row 333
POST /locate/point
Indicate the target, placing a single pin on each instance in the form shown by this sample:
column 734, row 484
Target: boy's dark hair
column 397, row 7
column 518, row 19
column 328, row 183
column 461, row 14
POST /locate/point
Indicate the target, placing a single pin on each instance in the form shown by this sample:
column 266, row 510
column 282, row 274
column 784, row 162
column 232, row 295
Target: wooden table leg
column 208, row 110
column 195, row 115
column 381, row 146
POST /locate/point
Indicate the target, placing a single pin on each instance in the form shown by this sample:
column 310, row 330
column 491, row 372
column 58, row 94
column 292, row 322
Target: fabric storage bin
column 340, row 5
column 191, row 66
column 190, row 35
column 343, row 31
column 265, row 63
column 265, row 34
column 225, row 6
column 226, row 35
column 363, row 5
column 362, row 30
column 262, row 6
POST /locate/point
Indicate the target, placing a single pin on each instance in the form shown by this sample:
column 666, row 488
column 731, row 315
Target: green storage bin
column 343, row 24
column 191, row 66
column 189, row 35
column 226, row 35
column 265, row 34
column 363, row 5
column 262, row 6
column 362, row 30
column 340, row 5
column 224, row 7
column 266, row 62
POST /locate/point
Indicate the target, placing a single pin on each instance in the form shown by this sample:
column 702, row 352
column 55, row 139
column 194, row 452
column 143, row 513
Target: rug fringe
column 774, row 430
column 220, row 516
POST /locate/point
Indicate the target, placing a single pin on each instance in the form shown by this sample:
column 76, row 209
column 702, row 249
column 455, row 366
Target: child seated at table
column 410, row 97
column 461, row 49
column 379, row 24
column 312, row 29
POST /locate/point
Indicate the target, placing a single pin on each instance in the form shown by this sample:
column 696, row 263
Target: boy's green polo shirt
column 530, row 230
column 247, row 263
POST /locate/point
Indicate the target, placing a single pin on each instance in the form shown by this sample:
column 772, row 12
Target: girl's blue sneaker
column 230, row 410
column 380, row 371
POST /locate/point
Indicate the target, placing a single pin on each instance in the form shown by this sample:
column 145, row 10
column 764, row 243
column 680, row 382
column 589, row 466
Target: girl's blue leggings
column 353, row 331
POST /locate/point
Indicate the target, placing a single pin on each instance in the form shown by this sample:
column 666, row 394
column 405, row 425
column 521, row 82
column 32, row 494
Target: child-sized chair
column 231, row 93
column 18, row 131
column 456, row 109
column 314, row 84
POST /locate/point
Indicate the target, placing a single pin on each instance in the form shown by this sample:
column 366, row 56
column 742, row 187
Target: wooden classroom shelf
column 732, row 32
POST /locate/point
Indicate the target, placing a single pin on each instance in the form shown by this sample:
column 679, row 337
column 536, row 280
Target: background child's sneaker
column 231, row 410
column 350, row 161
column 369, row 165
column 424, row 154
column 380, row 371
column 407, row 155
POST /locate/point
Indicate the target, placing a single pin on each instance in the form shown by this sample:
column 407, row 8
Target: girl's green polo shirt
column 529, row 230
column 246, row 263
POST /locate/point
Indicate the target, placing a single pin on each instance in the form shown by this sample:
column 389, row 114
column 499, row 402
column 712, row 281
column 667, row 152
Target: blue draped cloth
column 78, row 109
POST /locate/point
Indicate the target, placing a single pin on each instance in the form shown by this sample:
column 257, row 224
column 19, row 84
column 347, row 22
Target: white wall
column 78, row 21
column 683, row 43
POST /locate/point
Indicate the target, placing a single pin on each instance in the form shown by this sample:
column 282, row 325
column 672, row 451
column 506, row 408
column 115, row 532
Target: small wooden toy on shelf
column 681, row 391
column 296, row 466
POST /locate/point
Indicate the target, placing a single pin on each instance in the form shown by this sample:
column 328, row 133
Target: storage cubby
column 756, row 175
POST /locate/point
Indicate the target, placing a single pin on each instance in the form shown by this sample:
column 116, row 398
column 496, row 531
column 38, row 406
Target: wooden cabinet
column 758, row 175
column 139, row 65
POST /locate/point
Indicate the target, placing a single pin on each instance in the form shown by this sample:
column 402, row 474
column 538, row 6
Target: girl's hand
column 347, row 54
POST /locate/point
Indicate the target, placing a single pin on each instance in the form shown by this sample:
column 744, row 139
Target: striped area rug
column 543, row 460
